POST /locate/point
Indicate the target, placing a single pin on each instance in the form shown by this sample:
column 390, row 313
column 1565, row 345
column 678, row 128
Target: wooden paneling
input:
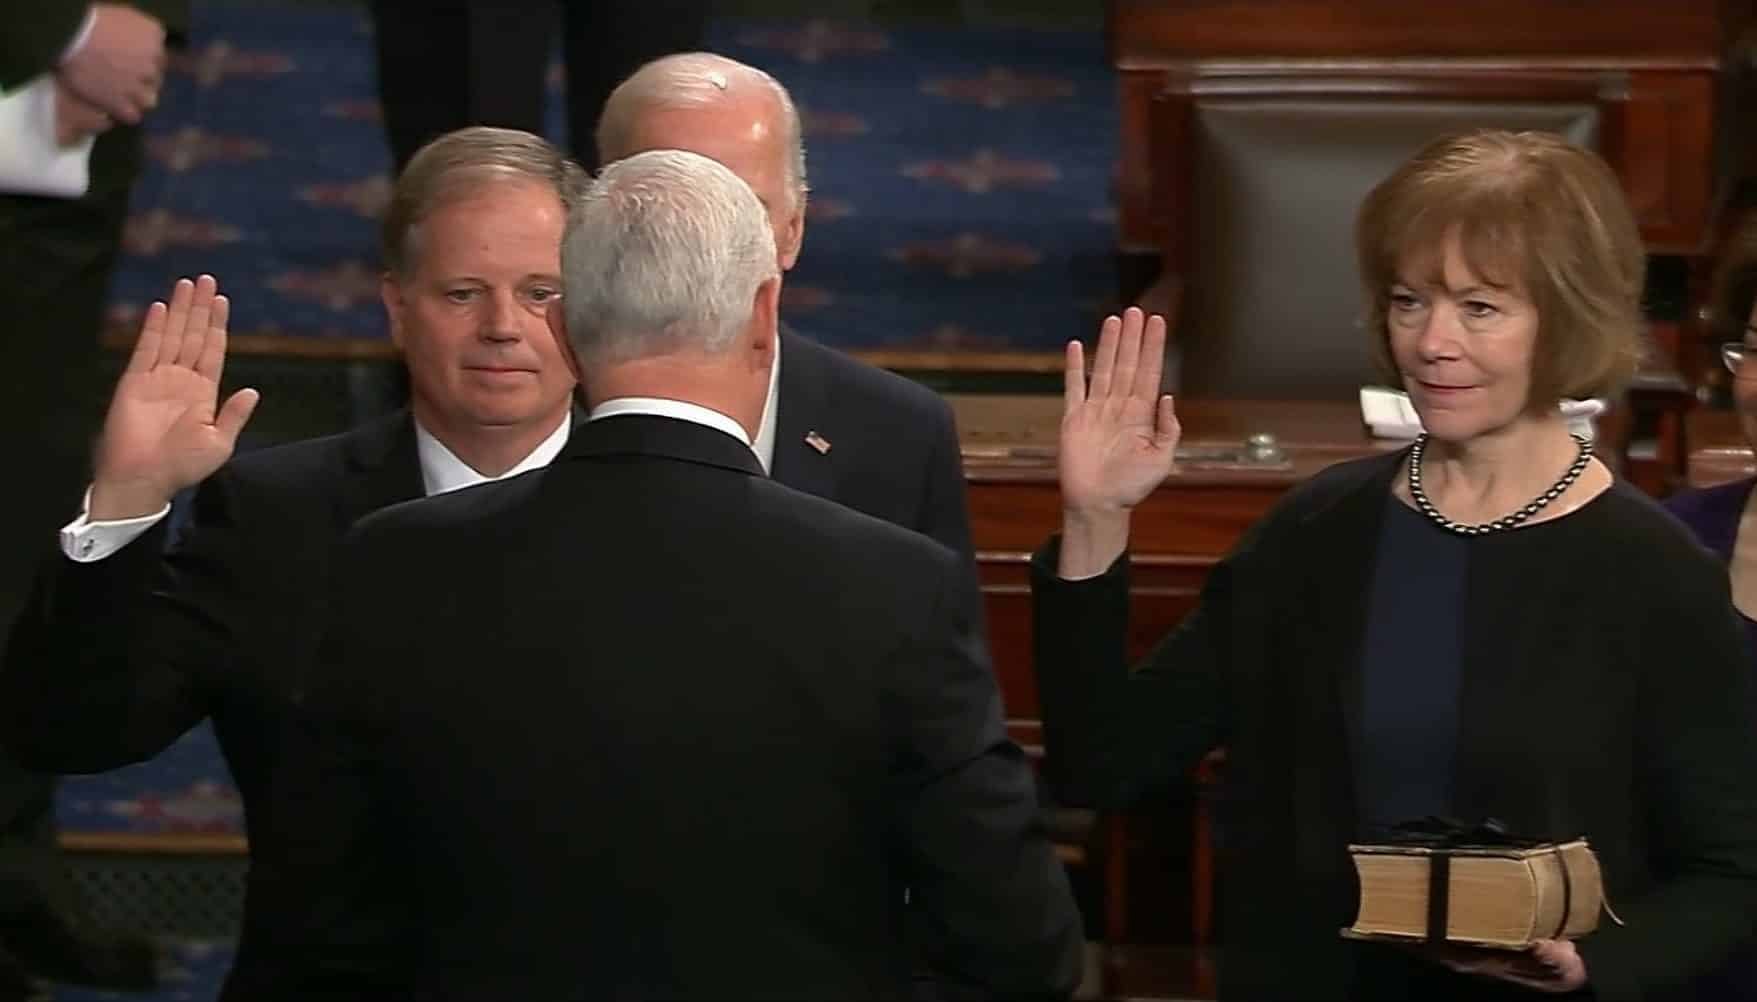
column 1160, row 597
column 1665, row 157
column 168, row 843
column 1718, row 450
column 1669, row 67
column 1629, row 32
column 1136, row 224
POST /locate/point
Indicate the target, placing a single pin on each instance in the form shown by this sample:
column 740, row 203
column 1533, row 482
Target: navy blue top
column 1411, row 668
column 1713, row 514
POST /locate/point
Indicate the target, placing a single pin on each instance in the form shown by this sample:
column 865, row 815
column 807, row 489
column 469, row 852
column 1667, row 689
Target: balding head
column 724, row 110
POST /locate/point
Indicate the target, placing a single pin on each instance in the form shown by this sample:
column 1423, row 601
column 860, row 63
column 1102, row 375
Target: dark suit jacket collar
column 804, row 401
column 382, row 464
column 665, row 437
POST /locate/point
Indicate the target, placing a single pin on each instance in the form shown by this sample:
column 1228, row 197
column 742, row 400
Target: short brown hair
column 1735, row 284
column 460, row 161
column 1531, row 213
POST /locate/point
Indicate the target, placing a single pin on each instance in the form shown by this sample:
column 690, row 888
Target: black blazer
column 893, row 444
column 646, row 724
column 111, row 662
column 1604, row 693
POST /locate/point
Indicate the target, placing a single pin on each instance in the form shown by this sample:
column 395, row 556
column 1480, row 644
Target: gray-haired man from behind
column 669, row 729
column 835, row 426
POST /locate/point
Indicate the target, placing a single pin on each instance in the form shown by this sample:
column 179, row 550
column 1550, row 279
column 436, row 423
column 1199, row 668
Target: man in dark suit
column 645, row 723
column 104, row 63
column 119, row 653
column 447, row 64
column 837, row 427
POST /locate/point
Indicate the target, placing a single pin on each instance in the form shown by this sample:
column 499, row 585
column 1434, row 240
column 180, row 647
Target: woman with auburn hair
column 1485, row 625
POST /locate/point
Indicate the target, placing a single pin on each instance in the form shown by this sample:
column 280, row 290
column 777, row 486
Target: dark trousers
column 446, row 64
column 55, row 261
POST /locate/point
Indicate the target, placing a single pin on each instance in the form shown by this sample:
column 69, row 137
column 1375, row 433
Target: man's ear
column 557, row 319
column 390, row 293
column 792, row 237
column 765, row 316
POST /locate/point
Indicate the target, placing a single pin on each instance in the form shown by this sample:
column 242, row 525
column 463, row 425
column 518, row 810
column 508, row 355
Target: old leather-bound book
column 1438, row 882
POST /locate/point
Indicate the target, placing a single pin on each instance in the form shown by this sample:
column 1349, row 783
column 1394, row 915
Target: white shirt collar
column 682, row 410
column 765, row 433
column 442, row 470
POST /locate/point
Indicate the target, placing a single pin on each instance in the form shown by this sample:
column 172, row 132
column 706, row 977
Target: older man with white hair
column 834, row 426
column 647, row 723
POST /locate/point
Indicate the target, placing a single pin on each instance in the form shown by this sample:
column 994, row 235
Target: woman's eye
column 1476, row 309
column 1405, row 301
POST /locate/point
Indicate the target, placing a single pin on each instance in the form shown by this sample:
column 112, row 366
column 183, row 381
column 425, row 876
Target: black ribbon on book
column 1442, row 834
column 1436, row 832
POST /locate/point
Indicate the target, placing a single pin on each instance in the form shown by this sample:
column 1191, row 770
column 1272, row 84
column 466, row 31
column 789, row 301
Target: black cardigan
column 1604, row 693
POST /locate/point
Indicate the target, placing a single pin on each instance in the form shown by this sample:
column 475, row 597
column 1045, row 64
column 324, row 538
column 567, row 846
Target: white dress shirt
column 682, row 410
column 764, row 446
column 441, row 470
column 765, row 432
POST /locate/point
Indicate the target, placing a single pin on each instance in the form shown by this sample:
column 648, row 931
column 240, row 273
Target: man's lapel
column 805, row 439
column 384, row 468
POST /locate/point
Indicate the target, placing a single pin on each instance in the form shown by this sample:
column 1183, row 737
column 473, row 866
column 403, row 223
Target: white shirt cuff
column 88, row 542
column 81, row 36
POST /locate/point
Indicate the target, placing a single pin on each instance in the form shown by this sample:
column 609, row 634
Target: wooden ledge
column 328, row 349
column 1035, row 362
column 157, row 843
column 372, row 349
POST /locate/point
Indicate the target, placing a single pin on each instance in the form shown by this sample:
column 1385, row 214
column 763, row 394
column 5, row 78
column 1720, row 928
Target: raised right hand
column 164, row 430
column 1118, row 434
column 1118, row 438
column 121, row 64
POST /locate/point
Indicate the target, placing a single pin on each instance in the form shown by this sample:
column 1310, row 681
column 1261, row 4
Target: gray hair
column 665, row 253
column 696, row 80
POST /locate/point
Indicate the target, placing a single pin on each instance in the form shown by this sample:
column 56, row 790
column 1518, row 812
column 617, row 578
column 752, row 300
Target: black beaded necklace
column 1507, row 521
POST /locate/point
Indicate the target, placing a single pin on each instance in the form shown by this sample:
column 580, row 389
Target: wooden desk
column 1718, row 450
column 1009, row 446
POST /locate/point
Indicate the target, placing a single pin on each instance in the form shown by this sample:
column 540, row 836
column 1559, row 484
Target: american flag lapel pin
column 818, row 442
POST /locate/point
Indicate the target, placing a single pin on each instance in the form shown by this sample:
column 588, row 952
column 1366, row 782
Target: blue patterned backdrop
column 962, row 177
